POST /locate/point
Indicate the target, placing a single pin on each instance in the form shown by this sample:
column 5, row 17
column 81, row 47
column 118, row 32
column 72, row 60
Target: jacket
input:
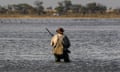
column 57, row 44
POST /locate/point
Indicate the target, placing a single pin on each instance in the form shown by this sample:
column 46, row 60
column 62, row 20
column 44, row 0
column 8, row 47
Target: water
column 27, row 39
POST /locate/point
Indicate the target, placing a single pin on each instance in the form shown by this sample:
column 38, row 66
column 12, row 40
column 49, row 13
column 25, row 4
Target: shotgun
column 49, row 32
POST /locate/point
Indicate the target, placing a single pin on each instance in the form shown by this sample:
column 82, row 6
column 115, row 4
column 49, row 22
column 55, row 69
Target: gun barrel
column 49, row 32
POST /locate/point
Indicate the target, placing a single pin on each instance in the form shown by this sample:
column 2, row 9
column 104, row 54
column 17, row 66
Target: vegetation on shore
column 64, row 9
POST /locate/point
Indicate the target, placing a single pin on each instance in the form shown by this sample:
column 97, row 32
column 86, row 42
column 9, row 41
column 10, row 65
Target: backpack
column 66, row 42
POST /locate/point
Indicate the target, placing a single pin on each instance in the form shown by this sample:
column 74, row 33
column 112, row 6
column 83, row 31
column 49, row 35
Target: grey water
column 27, row 39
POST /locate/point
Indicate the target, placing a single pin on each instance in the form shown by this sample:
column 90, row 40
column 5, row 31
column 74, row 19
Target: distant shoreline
column 29, row 17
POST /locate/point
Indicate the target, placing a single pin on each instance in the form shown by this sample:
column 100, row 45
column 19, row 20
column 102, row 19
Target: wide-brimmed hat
column 60, row 30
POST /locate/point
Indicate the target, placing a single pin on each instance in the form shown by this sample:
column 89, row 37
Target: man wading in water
column 60, row 43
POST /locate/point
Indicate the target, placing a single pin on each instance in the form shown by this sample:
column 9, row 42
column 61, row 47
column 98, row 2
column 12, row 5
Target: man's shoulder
column 65, row 36
column 55, row 35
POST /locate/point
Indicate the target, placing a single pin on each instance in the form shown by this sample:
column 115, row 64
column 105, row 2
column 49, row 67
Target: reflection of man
column 59, row 51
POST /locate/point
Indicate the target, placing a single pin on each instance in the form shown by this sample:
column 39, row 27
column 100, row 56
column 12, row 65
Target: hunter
column 60, row 43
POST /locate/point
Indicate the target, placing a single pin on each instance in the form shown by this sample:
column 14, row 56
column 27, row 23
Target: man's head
column 60, row 30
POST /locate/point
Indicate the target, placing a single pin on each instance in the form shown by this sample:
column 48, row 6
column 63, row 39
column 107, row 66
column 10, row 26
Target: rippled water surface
column 22, row 39
column 25, row 45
